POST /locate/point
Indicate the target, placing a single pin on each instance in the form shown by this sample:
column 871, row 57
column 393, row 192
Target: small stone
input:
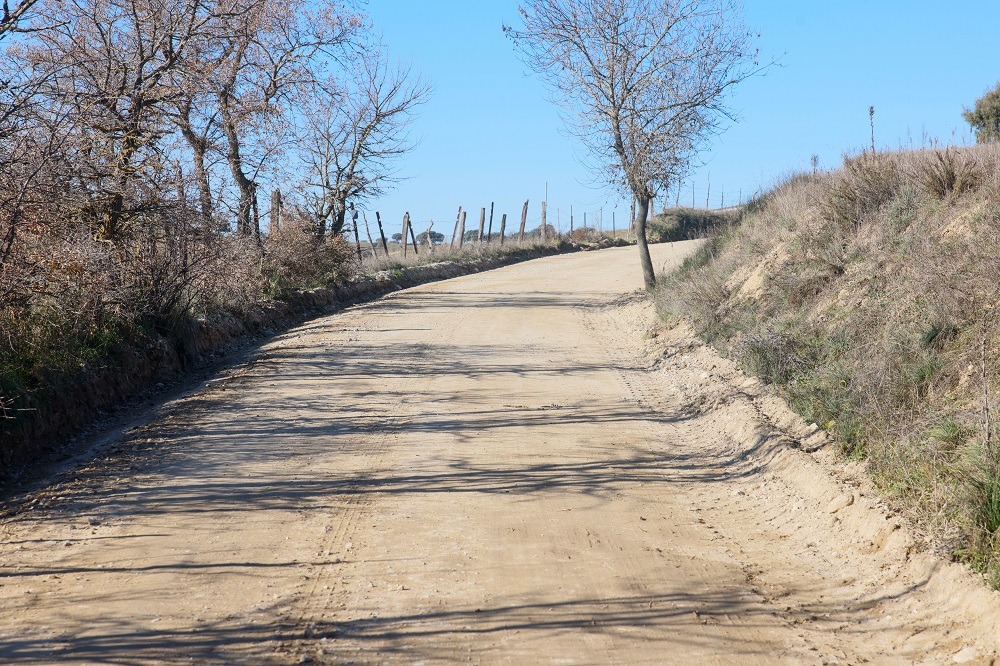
column 966, row 655
column 840, row 502
column 94, row 521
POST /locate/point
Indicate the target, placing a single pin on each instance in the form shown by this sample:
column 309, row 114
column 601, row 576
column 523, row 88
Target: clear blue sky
column 489, row 134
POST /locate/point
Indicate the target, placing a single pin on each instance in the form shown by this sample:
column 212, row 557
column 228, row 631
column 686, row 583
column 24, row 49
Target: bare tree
column 641, row 82
column 264, row 58
column 109, row 62
column 12, row 14
column 351, row 131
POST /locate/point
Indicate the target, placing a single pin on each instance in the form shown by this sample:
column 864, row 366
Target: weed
column 773, row 356
column 866, row 183
column 948, row 172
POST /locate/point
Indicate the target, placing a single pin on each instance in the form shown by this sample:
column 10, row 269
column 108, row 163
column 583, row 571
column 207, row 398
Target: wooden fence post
column 368, row 231
column 406, row 224
column 482, row 225
column 455, row 233
column 275, row 210
column 489, row 232
column 503, row 228
column 430, row 241
column 544, row 230
column 461, row 232
column 381, row 232
column 571, row 223
column 413, row 236
column 524, row 218
column 357, row 238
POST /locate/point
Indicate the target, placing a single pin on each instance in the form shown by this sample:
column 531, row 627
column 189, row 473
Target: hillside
column 867, row 297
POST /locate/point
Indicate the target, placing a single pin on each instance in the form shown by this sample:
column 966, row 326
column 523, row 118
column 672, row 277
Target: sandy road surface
column 502, row 468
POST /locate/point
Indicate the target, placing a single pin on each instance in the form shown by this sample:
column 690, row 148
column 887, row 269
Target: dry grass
column 878, row 286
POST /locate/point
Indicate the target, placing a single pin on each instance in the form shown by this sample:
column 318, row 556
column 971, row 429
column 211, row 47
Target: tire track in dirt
column 499, row 469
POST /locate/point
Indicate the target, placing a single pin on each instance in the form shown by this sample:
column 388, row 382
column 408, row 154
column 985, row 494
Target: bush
column 948, row 172
column 295, row 258
column 866, row 183
column 687, row 223
column 773, row 356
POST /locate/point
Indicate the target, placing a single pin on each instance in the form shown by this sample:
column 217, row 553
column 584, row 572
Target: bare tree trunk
column 245, row 186
column 204, row 189
column 199, row 148
column 642, row 212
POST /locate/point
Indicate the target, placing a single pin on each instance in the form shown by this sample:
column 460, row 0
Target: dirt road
column 505, row 468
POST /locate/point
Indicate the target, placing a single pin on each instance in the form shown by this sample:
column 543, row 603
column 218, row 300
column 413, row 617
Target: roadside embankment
column 867, row 298
column 71, row 401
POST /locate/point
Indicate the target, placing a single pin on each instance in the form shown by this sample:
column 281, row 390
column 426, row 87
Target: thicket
column 868, row 298
column 138, row 139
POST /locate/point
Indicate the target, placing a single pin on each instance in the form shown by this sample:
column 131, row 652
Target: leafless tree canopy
column 642, row 83
column 353, row 130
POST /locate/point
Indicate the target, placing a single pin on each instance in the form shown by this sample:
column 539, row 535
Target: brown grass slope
column 868, row 298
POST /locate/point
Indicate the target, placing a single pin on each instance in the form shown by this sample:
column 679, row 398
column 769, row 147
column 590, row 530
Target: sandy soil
column 503, row 468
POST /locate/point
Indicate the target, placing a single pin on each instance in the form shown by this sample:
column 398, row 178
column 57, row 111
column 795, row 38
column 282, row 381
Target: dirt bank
column 73, row 402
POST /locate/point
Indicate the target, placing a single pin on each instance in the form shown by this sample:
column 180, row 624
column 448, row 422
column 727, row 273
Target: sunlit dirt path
column 501, row 469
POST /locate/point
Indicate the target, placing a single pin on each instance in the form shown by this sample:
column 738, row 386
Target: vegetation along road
column 503, row 468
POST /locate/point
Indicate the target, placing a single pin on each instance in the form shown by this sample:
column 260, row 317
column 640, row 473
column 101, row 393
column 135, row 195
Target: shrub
column 948, row 172
column 687, row 223
column 866, row 183
column 295, row 258
column 773, row 356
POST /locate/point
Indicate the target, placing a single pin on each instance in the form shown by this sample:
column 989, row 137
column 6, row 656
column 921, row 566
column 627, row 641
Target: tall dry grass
column 865, row 296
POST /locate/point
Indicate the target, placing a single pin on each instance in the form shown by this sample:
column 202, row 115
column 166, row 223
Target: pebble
column 966, row 655
column 840, row 502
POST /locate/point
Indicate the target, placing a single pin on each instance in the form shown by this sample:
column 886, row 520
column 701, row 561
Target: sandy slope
column 501, row 468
